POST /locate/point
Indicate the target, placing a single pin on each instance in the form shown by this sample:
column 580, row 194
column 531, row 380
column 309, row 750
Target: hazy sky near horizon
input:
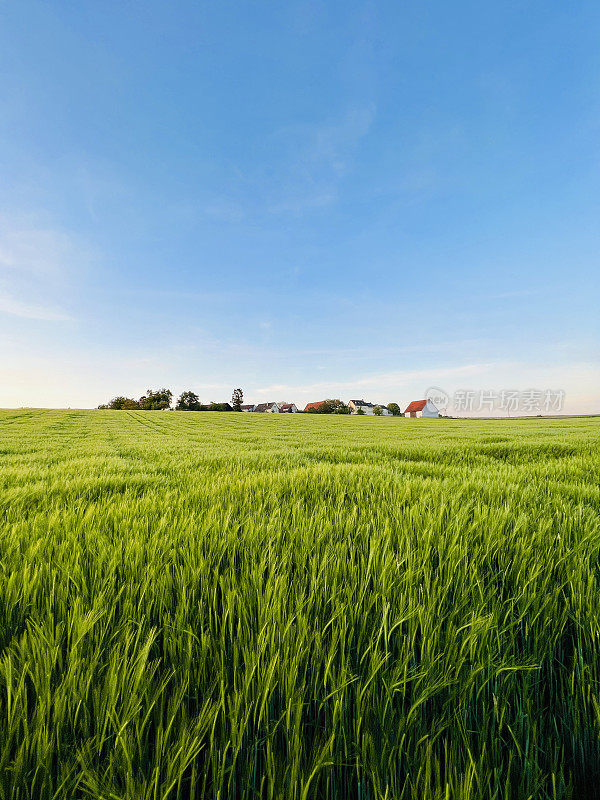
column 304, row 199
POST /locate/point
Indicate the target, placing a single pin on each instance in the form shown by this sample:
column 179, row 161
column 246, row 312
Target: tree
column 156, row 401
column 121, row 403
column 213, row 406
column 130, row 404
column 237, row 398
column 360, row 413
column 377, row 411
column 343, row 409
column 394, row 408
column 188, row 401
column 333, row 407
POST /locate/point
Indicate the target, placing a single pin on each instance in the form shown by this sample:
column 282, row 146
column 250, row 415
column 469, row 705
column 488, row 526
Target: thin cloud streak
column 14, row 307
column 41, row 252
column 38, row 264
column 389, row 379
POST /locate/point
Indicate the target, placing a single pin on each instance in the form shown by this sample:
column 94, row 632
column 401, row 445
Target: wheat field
column 204, row 605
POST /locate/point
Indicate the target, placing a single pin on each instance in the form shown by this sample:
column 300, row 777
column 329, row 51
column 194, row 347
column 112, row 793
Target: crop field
column 228, row 606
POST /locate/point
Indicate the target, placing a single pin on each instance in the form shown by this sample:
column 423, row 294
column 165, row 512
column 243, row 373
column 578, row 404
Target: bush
column 121, row 404
column 156, row 401
column 333, row 407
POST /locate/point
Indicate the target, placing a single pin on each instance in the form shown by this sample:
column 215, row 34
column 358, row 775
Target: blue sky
column 304, row 199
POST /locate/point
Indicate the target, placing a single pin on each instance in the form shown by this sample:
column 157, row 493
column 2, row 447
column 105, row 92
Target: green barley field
column 229, row 606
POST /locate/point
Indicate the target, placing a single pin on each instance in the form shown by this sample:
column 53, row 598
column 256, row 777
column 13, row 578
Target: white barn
column 421, row 408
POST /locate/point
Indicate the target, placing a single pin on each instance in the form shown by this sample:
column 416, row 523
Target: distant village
column 162, row 400
column 417, row 408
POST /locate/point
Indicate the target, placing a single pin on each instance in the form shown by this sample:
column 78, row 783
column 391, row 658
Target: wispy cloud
column 14, row 307
column 37, row 268
column 328, row 144
column 512, row 295
column 225, row 210
column 297, row 169
column 380, row 381
column 42, row 252
column 311, row 160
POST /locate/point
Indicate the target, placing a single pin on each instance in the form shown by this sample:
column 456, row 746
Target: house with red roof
column 313, row 406
column 421, row 408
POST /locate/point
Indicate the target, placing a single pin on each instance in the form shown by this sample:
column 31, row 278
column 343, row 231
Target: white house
column 266, row 408
column 362, row 405
column 288, row 408
column 368, row 408
column 421, row 408
column 248, row 408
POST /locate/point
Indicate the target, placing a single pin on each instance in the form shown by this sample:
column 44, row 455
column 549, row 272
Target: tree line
column 160, row 399
column 339, row 407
